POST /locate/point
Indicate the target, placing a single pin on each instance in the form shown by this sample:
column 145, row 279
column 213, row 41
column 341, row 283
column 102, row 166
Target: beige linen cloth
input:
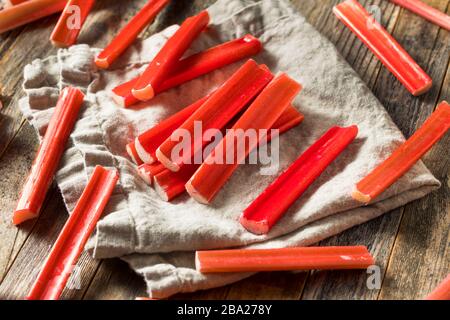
column 158, row 239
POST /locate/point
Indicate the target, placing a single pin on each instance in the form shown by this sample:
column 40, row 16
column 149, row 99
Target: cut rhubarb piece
column 224, row 104
column 147, row 143
column 167, row 59
column 70, row 243
column 131, row 150
column 49, row 154
column 261, row 115
column 195, row 66
column 129, row 33
column 404, row 157
column 286, row 259
column 425, row 11
column 273, row 203
column 148, row 171
column 170, row 184
column 384, row 46
column 29, row 11
column 442, row 292
column 66, row 31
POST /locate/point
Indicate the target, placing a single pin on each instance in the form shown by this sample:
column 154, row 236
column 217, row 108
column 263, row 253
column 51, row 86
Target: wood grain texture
column 410, row 243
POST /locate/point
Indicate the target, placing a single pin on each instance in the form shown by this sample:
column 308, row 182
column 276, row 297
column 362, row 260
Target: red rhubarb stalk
column 66, row 31
column 147, row 143
column 70, row 243
column 129, row 33
column 195, row 66
column 29, row 11
column 49, row 154
column 384, row 46
column 442, row 292
column 272, row 204
column 148, row 171
column 425, row 11
column 286, row 259
column 167, row 59
column 224, row 104
column 261, row 115
column 170, row 184
column 405, row 156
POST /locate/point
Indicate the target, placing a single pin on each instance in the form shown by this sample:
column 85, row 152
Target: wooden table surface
column 410, row 243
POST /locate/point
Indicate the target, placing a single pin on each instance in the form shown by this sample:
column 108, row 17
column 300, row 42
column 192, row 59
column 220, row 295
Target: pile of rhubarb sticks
column 251, row 99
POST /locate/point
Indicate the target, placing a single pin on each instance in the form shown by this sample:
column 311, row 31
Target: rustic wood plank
column 115, row 281
column 14, row 165
column 212, row 294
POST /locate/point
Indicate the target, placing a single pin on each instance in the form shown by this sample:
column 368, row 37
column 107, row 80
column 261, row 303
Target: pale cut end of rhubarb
column 361, row 197
column 142, row 153
column 145, row 176
column 198, row 264
column 131, row 154
column 166, row 161
column 144, row 94
column 101, row 63
column 23, row 215
column 160, row 191
column 119, row 100
column 195, row 194
column 58, row 44
column 424, row 89
column 255, row 227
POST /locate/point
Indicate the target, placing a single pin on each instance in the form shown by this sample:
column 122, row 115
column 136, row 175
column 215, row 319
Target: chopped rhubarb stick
column 261, row 115
column 29, row 11
column 224, row 104
column 49, row 154
column 425, row 11
column 129, row 33
column 442, row 292
column 271, row 205
column 212, row 59
column 286, row 259
column 70, row 243
column 384, row 46
column 64, row 35
column 167, row 59
column 148, row 171
column 131, row 150
column 170, row 184
column 122, row 94
column 195, row 66
column 147, row 143
column 405, row 156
